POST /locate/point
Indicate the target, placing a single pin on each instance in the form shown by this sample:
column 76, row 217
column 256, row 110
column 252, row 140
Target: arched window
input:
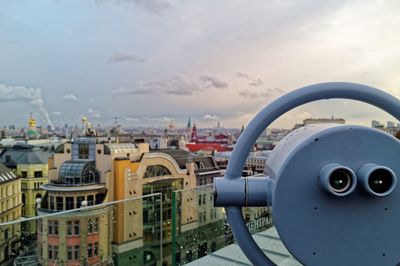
column 156, row 170
column 79, row 172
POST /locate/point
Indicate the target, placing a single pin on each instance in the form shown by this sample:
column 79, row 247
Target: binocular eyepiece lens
column 337, row 179
column 380, row 181
column 377, row 180
column 340, row 180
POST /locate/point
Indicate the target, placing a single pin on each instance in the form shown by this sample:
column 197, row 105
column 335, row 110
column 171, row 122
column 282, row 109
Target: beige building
column 10, row 210
column 88, row 172
column 31, row 164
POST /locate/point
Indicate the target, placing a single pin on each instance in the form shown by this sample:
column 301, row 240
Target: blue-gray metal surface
column 364, row 173
column 320, row 228
column 274, row 110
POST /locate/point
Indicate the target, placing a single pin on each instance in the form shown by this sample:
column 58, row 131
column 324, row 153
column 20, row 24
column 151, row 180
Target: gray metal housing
column 319, row 228
column 385, row 217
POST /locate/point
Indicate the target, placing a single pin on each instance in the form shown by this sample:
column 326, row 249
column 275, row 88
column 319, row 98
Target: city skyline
column 151, row 62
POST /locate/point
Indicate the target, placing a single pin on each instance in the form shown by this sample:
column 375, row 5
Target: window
column 69, row 203
column 93, row 225
column 76, row 252
column 199, row 200
column 60, row 203
column 79, row 201
column 50, row 252
column 51, row 202
column 55, row 227
column 55, row 253
column 24, row 174
column 99, row 198
column 90, row 250
column 38, row 174
column 76, row 226
column 156, row 170
column 69, row 252
column 83, row 151
column 78, row 172
column 50, row 228
column 96, row 225
column 96, row 249
column 90, row 200
column 69, row 228
column 90, row 226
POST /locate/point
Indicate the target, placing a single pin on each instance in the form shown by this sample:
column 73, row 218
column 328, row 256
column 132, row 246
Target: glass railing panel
column 126, row 232
column 200, row 229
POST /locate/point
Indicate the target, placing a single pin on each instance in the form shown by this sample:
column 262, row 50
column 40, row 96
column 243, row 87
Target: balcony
column 141, row 231
column 54, row 186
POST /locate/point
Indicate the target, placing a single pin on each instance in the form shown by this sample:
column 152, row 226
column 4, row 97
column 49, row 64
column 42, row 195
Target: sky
column 150, row 62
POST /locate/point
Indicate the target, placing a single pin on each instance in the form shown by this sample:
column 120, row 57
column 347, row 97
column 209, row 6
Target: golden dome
column 32, row 122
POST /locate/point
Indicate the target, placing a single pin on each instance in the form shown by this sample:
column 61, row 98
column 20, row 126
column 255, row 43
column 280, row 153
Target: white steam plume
column 33, row 96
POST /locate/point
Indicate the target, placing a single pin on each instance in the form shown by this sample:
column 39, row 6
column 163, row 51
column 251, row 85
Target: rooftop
column 268, row 241
column 6, row 174
column 24, row 155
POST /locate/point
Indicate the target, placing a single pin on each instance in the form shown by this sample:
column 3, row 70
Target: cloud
column 176, row 85
column 180, row 85
column 70, row 97
column 153, row 6
column 94, row 113
column 56, row 113
column 131, row 119
column 209, row 81
column 158, row 119
column 156, row 7
column 118, row 57
column 210, row 117
column 268, row 93
column 33, row 96
column 252, row 80
column 141, row 91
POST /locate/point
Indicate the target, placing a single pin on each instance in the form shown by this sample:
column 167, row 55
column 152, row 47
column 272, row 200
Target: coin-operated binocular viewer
column 333, row 188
